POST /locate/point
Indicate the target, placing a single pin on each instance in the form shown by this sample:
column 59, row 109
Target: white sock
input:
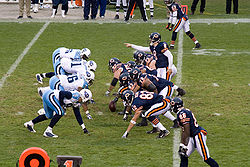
column 175, row 87
column 49, row 129
column 169, row 116
column 63, row 12
column 195, row 42
column 153, row 125
column 160, row 126
column 87, row 112
column 31, row 123
column 54, row 12
column 83, row 126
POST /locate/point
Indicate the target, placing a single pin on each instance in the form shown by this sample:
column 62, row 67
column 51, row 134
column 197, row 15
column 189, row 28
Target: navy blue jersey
column 145, row 99
column 148, row 70
column 123, row 67
column 180, row 13
column 185, row 116
column 160, row 83
column 161, row 59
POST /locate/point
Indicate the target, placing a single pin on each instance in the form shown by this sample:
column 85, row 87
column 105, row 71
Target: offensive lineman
column 193, row 136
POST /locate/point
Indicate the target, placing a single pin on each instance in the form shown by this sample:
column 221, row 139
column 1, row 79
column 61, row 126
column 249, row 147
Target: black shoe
column 29, row 17
column 117, row 16
column 85, row 18
column 197, row 46
column 176, row 125
column 181, row 92
column 171, row 47
column 85, row 131
column 145, row 20
column 163, row 134
column 19, row 17
column 151, row 16
column 154, row 130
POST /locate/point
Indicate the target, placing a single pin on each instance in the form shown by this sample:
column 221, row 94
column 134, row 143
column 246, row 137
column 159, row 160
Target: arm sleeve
column 174, row 19
column 141, row 48
column 170, row 58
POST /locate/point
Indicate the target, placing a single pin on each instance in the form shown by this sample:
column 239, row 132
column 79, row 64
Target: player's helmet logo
column 128, row 96
column 155, row 37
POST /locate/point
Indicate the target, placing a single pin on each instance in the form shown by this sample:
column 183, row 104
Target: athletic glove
column 171, row 27
column 125, row 135
column 167, row 27
column 183, row 150
column 107, row 93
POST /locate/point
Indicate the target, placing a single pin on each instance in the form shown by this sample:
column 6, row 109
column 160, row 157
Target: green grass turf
column 227, row 134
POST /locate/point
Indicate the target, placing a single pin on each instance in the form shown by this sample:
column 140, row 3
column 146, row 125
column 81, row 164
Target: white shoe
column 30, row 126
column 52, row 16
column 36, row 8
column 89, row 116
column 63, row 16
column 49, row 134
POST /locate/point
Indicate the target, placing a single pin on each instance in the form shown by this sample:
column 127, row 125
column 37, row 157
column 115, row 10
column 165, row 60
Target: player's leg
column 161, row 72
column 228, row 6
column 54, row 8
column 186, row 28
column 202, row 149
column 117, row 8
column 64, row 7
column 142, row 10
column 178, row 26
column 235, row 3
column 157, row 124
column 174, row 71
column 125, row 7
column 79, row 119
column 193, row 7
column 191, row 148
column 151, row 8
column 130, row 7
column 202, row 7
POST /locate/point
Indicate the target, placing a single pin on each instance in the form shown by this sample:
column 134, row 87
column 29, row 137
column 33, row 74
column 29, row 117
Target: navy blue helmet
column 135, row 74
column 128, row 96
column 176, row 103
column 155, row 37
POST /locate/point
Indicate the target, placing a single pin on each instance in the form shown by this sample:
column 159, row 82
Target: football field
column 216, row 79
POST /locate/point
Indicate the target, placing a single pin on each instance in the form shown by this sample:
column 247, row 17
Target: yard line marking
column 74, row 21
column 176, row 137
column 19, row 59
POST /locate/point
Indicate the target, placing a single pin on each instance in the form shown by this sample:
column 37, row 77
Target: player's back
column 72, row 82
column 146, row 99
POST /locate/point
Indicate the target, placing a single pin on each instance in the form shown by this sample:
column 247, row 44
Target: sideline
column 154, row 21
column 19, row 59
column 176, row 137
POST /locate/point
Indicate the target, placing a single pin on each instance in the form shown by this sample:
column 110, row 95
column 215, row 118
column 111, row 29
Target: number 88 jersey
column 145, row 99
column 185, row 116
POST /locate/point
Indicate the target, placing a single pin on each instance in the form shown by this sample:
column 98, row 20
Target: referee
column 132, row 3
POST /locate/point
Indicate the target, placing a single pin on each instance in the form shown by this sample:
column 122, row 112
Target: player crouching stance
column 152, row 103
column 193, row 136
column 55, row 101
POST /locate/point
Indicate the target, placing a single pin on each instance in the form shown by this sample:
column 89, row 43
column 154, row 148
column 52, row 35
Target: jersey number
column 146, row 95
column 72, row 79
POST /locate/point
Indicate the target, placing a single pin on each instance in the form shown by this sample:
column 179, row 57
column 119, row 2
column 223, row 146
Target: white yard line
column 176, row 137
column 19, row 59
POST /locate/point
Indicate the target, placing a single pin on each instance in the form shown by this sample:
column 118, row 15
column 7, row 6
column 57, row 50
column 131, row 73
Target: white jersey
column 74, row 67
column 74, row 99
column 73, row 54
column 72, row 82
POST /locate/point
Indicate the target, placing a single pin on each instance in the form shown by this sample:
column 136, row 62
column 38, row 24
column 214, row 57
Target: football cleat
column 49, row 134
column 89, row 116
column 181, row 92
column 125, row 117
column 117, row 16
column 197, row 46
column 163, row 133
column 154, row 130
column 85, row 131
column 171, row 47
column 30, row 126
column 39, row 78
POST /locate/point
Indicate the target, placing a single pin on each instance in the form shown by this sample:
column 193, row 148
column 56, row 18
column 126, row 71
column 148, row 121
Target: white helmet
column 91, row 65
column 86, row 95
column 90, row 77
column 85, row 53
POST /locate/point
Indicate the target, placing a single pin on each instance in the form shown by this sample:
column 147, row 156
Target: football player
column 163, row 57
column 55, row 101
column 117, row 68
column 177, row 14
column 193, row 136
column 152, row 103
column 58, row 54
column 117, row 8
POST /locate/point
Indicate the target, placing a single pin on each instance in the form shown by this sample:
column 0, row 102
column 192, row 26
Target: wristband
column 132, row 122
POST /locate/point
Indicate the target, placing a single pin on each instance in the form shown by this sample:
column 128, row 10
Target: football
column 112, row 106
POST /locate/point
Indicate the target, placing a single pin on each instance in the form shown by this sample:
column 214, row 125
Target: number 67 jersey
column 185, row 116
